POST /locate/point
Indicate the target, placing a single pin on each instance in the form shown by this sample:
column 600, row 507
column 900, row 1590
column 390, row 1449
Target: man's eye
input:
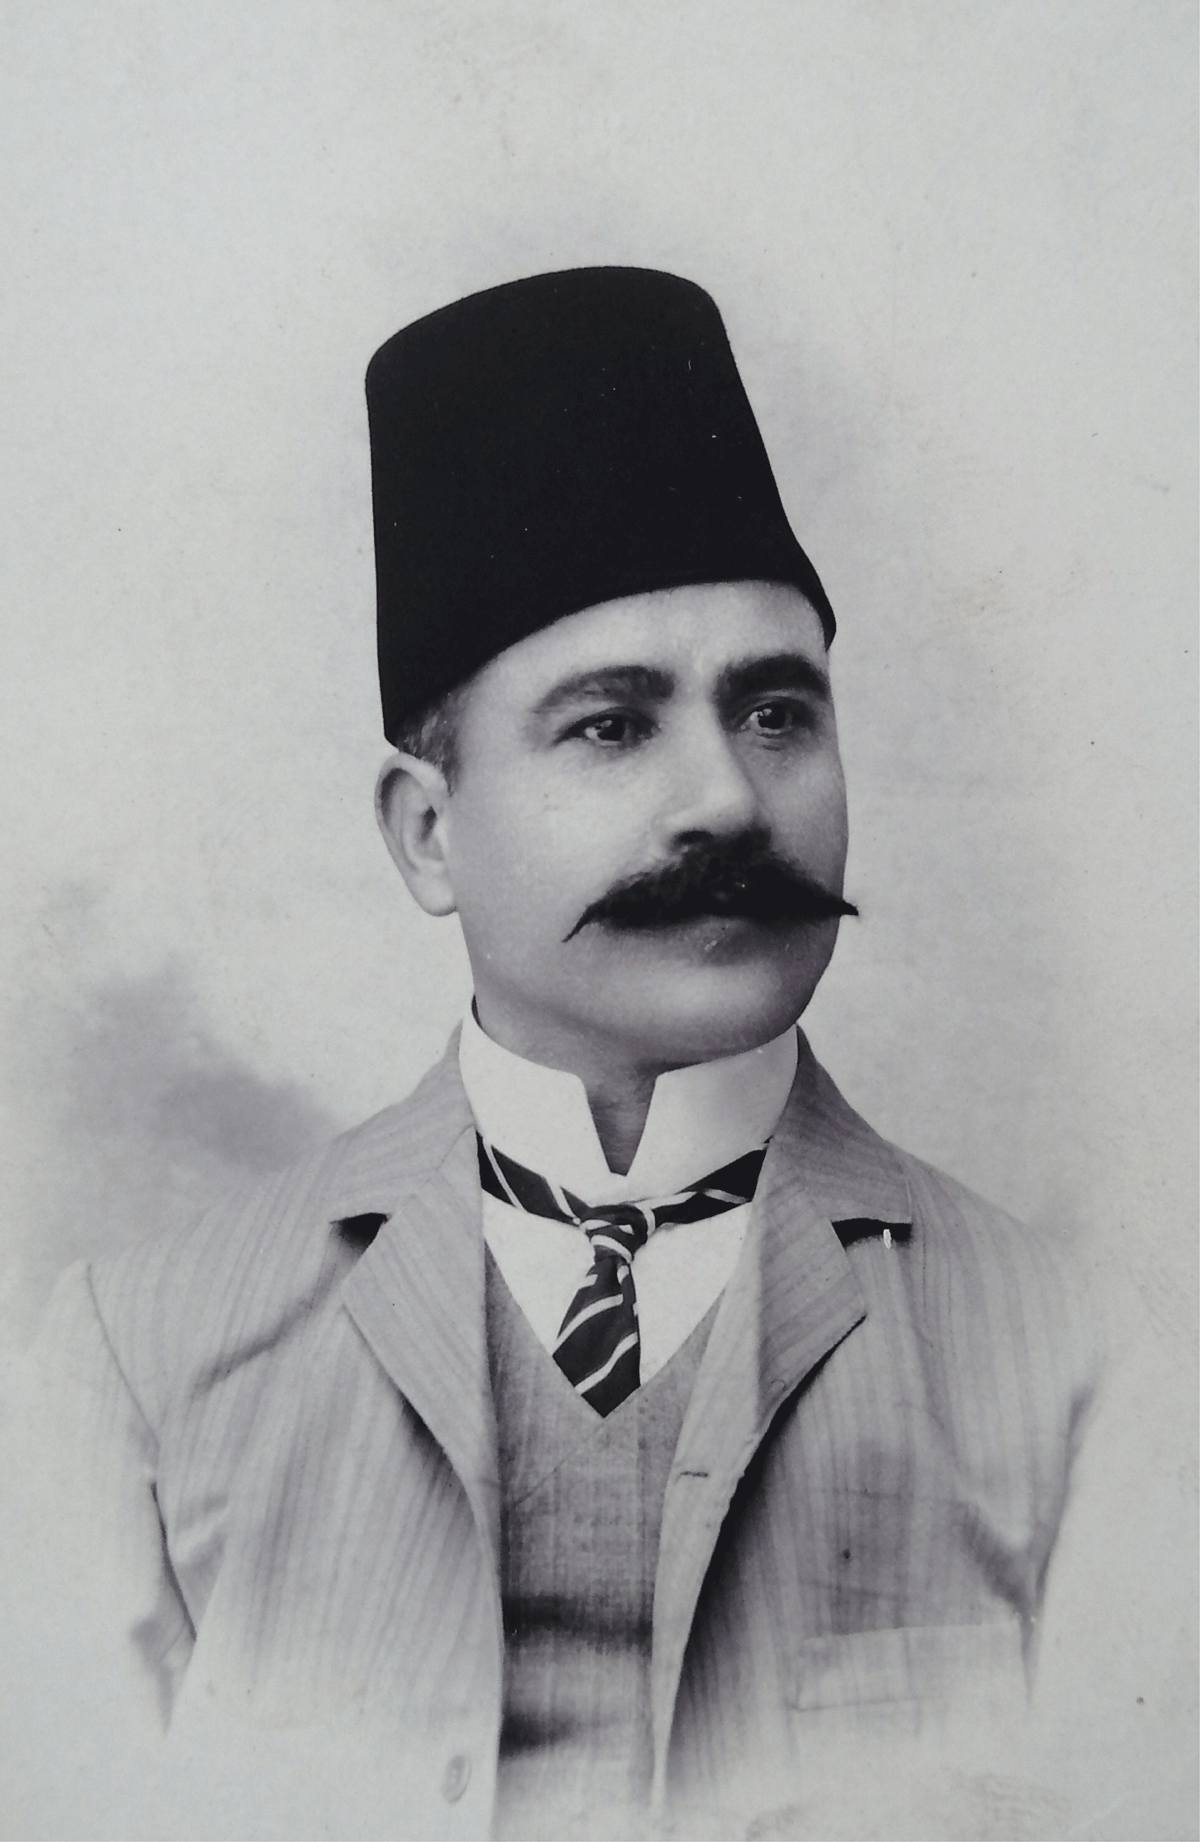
column 615, row 729
column 776, row 718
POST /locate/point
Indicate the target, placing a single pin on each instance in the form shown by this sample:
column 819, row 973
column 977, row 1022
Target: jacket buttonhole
column 455, row 1777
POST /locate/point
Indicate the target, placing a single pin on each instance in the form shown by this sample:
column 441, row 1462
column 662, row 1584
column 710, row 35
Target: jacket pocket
column 924, row 1664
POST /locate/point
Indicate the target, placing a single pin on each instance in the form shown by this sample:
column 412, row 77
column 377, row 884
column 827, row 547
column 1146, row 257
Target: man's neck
column 619, row 1091
column 619, row 1116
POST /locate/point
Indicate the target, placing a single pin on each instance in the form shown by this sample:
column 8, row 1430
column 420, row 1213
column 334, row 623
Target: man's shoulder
column 197, row 1300
column 956, row 1225
column 998, row 1294
column 851, row 1169
column 977, row 1281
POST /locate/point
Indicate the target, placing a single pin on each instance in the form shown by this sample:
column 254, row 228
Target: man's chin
column 714, row 991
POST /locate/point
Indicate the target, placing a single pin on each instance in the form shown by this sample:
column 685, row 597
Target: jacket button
column 455, row 1776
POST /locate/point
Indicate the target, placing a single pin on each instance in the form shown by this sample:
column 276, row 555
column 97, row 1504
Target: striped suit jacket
column 285, row 1434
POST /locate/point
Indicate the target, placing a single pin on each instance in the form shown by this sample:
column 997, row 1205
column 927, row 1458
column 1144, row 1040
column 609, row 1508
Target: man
column 593, row 1441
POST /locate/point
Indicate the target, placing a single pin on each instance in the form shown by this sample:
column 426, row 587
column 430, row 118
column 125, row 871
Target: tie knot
column 618, row 1230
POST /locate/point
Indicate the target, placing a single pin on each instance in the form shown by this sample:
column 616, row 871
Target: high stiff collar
column 700, row 1118
column 843, row 1167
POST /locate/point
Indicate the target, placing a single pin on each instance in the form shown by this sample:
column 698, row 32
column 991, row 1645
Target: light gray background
column 953, row 244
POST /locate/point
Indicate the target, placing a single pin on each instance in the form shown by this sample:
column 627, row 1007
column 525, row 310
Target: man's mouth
column 745, row 880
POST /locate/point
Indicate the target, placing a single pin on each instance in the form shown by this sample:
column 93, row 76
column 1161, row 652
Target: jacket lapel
column 792, row 1299
column 418, row 1294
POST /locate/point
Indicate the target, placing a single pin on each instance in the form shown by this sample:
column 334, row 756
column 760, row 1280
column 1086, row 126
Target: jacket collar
column 394, row 1154
column 842, row 1166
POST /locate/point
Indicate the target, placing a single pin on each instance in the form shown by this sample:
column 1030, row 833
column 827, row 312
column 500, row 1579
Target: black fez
column 554, row 443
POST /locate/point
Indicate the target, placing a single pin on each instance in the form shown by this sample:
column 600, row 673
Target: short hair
column 432, row 733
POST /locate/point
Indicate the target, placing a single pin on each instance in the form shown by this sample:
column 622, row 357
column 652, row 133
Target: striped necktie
column 598, row 1348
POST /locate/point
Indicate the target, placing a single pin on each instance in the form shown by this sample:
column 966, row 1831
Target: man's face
column 659, row 730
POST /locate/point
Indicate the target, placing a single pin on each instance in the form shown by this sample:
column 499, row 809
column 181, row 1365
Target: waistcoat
column 581, row 1509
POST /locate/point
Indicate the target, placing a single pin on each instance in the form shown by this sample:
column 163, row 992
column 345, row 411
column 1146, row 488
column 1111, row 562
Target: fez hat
column 550, row 444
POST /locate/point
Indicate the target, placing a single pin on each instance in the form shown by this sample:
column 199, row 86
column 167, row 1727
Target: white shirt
column 700, row 1118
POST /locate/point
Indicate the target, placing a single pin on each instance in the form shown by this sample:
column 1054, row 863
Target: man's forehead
column 692, row 632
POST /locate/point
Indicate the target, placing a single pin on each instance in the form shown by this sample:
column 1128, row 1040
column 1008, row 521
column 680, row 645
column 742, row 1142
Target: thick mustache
column 744, row 879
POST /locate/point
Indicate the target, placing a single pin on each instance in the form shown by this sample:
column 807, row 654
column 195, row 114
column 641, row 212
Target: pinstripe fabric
column 856, row 1526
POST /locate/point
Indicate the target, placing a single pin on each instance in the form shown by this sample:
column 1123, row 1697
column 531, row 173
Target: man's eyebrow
column 779, row 671
column 646, row 682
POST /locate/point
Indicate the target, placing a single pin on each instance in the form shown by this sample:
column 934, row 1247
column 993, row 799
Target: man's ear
column 411, row 796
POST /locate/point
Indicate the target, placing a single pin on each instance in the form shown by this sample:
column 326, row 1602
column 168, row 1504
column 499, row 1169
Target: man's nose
column 711, row 792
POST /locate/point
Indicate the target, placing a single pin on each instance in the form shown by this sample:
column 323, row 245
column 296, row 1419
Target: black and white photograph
column 598, row 1212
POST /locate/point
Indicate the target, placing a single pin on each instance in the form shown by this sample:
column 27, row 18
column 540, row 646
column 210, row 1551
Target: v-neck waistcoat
column 581, row 1512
